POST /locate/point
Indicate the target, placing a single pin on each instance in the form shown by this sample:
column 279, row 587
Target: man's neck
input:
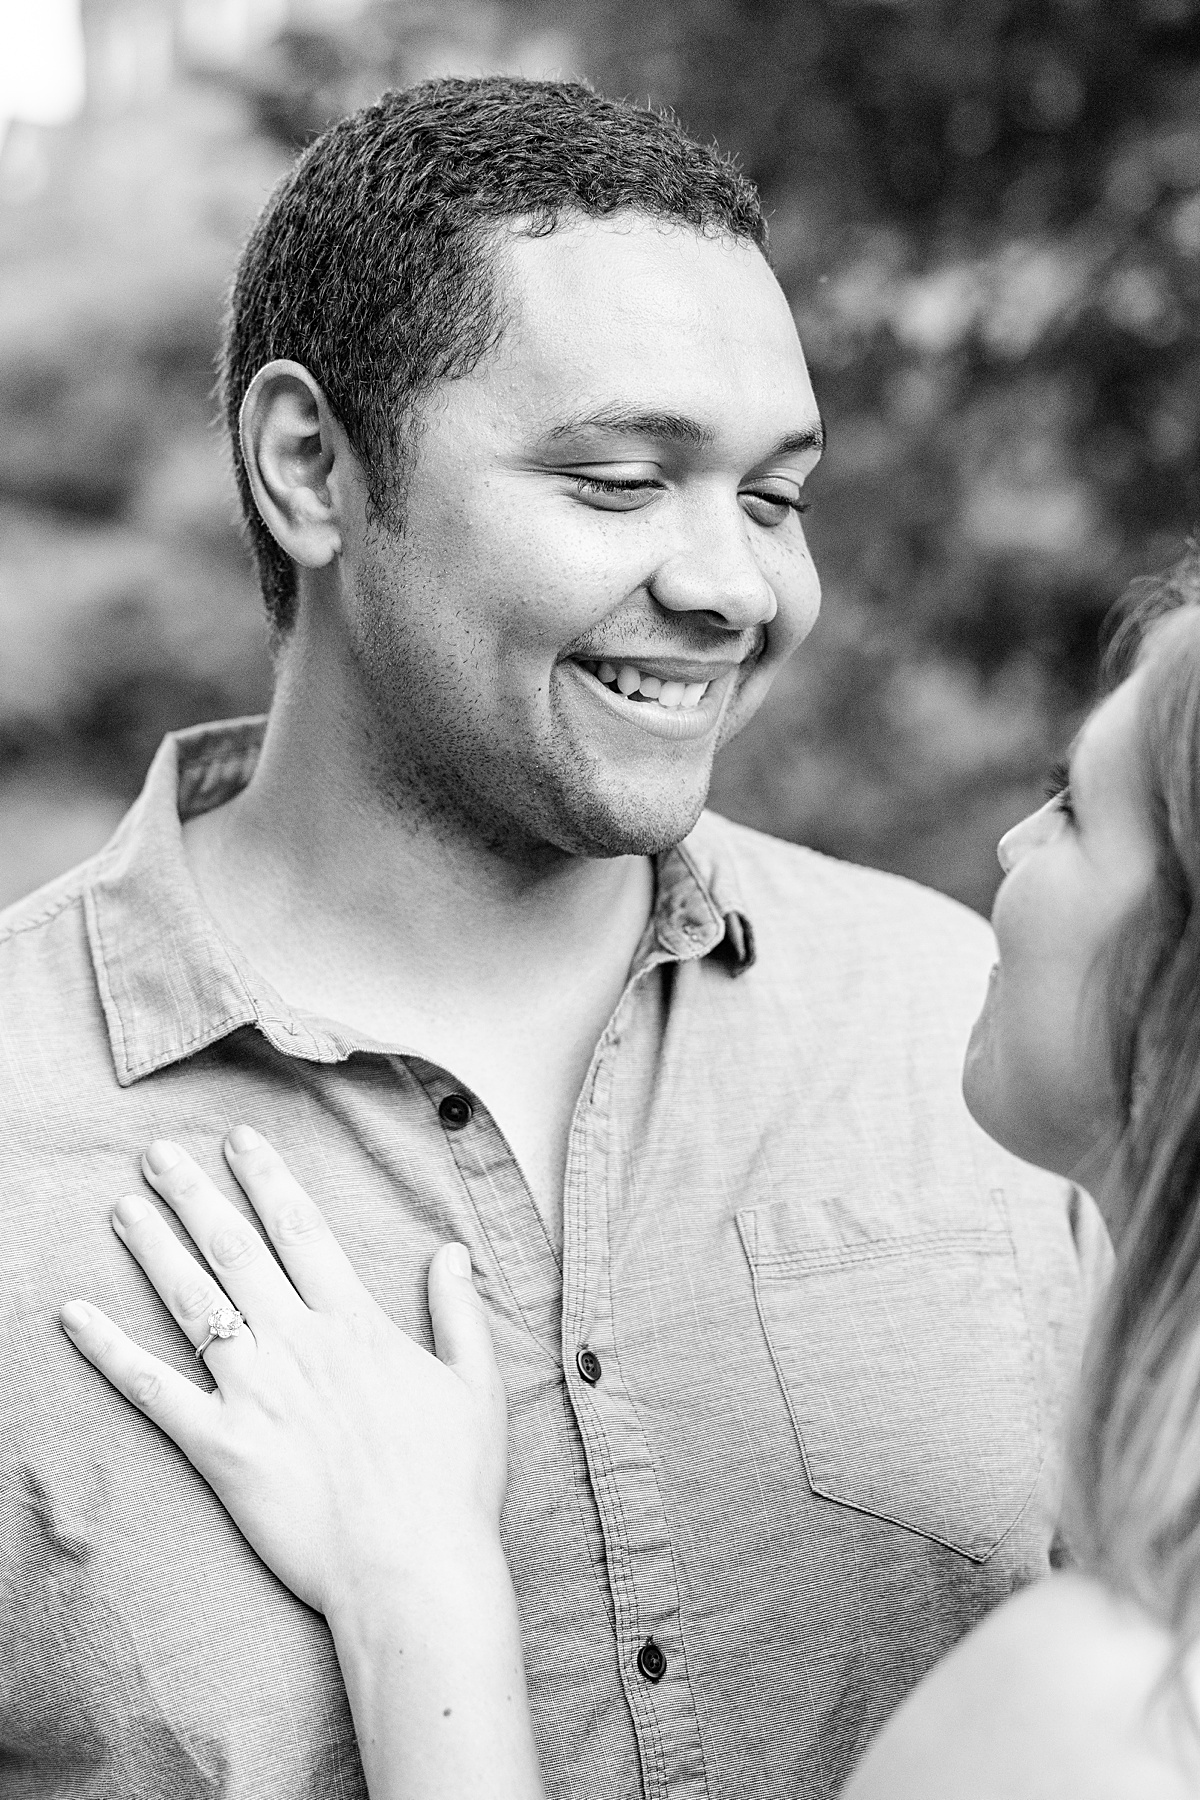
column 504, row 971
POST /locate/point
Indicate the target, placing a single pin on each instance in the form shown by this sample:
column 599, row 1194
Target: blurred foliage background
column 986, row 216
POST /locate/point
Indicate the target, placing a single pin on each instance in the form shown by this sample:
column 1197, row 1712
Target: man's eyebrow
column 674, row 428
column 669, row 428
column 811, row 438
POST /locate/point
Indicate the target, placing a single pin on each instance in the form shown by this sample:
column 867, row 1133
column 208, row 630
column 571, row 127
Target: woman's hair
column 1134, row 1506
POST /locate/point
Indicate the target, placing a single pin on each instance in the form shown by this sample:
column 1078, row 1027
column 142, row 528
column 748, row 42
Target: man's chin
column 628, row 823
column 648, row 836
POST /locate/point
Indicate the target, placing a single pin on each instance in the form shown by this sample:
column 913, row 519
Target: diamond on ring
column 223, row 1322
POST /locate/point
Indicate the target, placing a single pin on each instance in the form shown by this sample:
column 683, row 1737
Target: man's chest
column 731, row 1430
column 528, row 1089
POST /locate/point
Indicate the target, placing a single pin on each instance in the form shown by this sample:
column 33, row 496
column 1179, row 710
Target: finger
column 462, row 1336
column 227, row 1241
column 174, row 1404
column 186, row 1289
column 308, row 1250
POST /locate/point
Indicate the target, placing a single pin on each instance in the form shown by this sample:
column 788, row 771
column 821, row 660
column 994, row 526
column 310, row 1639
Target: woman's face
column 1037, row 1075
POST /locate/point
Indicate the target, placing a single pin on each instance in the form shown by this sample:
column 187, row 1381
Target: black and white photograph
column 599, row 900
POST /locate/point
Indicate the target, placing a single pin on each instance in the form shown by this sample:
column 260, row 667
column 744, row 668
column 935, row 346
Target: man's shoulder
column 27, row 926
column 784, row 882
column 51, row 1013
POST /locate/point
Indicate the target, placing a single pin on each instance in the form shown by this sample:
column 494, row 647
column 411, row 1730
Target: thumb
column 462, row 1336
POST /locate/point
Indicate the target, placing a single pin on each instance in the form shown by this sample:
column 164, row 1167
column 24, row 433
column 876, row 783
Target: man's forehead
column 633, row 271
column 642, row 328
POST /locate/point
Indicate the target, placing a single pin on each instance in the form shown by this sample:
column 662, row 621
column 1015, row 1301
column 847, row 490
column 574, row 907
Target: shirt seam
column 604, row 1591
column 74, row 897
column 611, row 1483
column 612, row 1487
column 216, row 1029
column 108, row 1000
column 882, row 1249
column 625, row 1580
column 625, row 1597
column 658, row 1489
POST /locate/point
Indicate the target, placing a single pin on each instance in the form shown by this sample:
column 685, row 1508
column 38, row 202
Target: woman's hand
column 348, row 1457
column 366, row 1473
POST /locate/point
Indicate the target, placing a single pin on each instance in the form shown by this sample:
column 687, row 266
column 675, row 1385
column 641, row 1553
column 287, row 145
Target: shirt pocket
column 906, row 1366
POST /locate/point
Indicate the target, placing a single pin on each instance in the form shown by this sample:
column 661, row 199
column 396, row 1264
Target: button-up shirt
column 786, row 1397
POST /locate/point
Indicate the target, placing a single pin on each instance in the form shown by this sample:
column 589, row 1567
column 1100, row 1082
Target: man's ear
column 289, row 444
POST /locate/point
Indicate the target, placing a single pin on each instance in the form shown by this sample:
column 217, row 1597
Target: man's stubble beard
column 455, row 780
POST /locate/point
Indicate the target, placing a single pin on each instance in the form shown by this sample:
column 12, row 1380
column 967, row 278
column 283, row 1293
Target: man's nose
column 715, row 571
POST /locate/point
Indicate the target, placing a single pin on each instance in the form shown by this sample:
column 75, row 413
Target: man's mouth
column 635, row 684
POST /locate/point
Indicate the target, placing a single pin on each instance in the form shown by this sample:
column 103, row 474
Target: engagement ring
column 223, row 1322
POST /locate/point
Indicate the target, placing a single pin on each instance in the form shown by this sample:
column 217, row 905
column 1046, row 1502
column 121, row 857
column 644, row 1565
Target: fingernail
column 75, row 1315
column 243, row 1138
column 458, row 1260
column 161, row 1156
column 128, row 1210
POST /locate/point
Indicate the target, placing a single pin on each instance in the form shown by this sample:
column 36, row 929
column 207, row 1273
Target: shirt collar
column 171, row 984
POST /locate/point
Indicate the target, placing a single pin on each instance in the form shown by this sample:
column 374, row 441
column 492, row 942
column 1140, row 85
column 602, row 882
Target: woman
column 370, row 1476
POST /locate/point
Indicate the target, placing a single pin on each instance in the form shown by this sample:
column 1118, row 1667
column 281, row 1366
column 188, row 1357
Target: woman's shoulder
column 1062, row 1692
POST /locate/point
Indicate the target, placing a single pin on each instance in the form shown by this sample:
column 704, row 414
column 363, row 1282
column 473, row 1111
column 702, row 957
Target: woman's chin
column 1024, row 1097
column 1017, row 1121
column 979, row 1085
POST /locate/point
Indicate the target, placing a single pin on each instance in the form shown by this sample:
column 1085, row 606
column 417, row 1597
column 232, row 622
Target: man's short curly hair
column 370, row 262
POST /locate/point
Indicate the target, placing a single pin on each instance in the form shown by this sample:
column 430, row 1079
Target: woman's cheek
column 1031, row 1001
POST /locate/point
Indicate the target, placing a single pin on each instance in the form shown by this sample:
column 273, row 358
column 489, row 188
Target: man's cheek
column 799, row 601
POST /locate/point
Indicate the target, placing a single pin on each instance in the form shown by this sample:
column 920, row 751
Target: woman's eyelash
column 1058, row 789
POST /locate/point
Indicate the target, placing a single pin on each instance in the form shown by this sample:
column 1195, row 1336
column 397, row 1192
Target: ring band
column 223, row 1322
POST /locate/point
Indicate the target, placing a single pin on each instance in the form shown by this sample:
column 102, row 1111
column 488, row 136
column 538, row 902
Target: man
column 522, row 430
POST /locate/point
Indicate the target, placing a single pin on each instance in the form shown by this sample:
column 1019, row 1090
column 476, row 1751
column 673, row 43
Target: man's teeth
column 630, row 681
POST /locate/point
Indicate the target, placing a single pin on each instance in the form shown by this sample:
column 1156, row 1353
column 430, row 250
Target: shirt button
column 455, row 1112
column 588, row 1364
column 651, row 1662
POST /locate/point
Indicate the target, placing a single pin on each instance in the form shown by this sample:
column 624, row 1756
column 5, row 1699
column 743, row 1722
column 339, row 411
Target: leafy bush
column 987, row 218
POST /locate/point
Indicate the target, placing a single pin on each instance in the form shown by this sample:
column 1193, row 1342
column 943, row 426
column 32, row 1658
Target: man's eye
column 767, row 508
column 613, row 495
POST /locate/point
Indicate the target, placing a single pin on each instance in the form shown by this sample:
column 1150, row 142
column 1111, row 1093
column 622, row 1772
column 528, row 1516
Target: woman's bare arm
column 1056, row 1696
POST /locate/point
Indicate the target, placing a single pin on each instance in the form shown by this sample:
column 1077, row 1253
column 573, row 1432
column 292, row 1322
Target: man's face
column 614, row 493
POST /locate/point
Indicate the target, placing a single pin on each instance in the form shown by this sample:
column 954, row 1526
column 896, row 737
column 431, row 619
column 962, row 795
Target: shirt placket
column 521, row 1254
column 638, row 1548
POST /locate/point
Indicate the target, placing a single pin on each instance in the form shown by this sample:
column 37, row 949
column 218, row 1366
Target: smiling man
column 523, row 431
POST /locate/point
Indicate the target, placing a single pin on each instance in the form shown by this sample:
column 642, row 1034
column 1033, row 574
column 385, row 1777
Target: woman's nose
column 1006, row 850
column 1023, row 836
